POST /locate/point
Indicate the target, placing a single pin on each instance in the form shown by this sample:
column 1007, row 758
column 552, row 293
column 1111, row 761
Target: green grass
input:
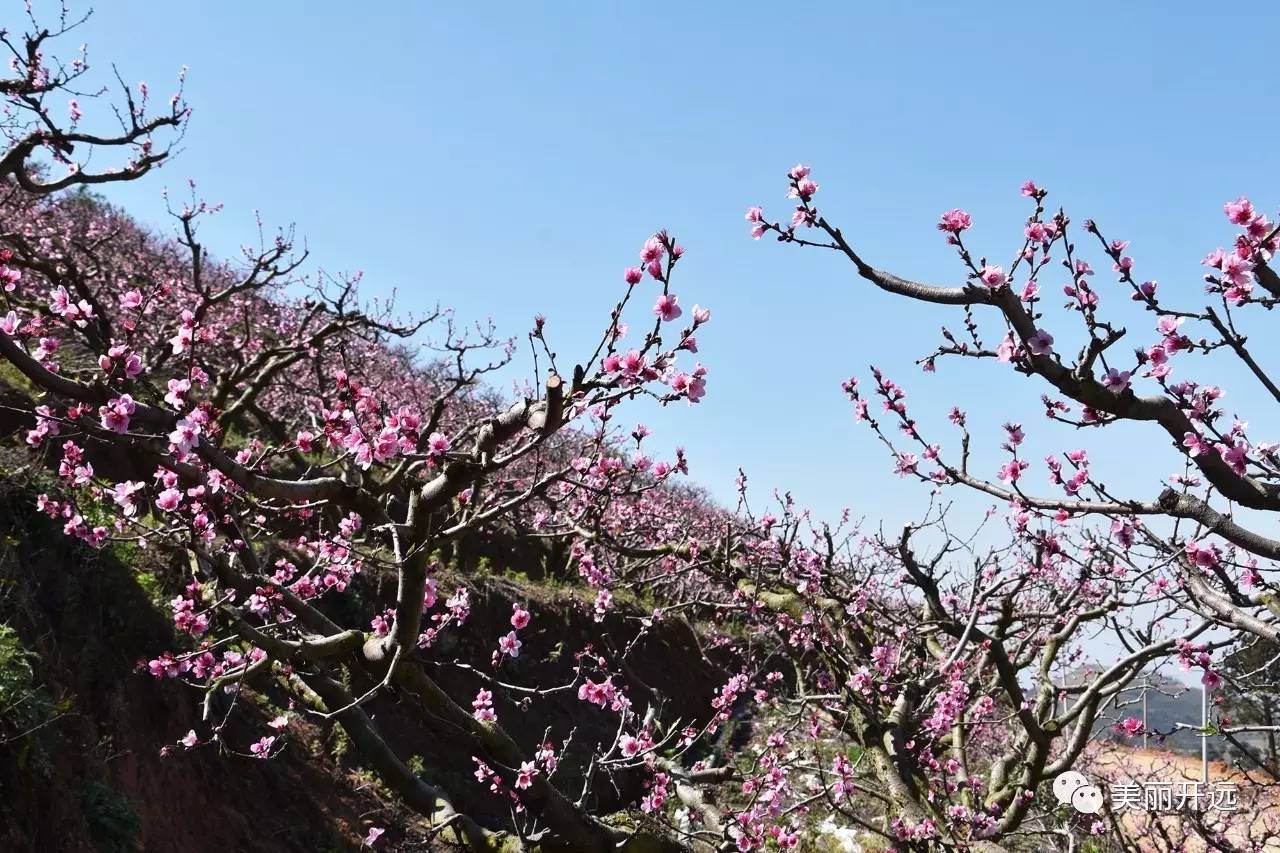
column 11, row 376
column 24, row 706
column 113, row 825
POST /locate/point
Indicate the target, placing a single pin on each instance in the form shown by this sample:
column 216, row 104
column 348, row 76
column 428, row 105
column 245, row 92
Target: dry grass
column 1254, row 826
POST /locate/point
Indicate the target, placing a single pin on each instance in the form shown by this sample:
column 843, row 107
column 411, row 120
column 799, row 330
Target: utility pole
column 1146, row 685
column 1204, row 734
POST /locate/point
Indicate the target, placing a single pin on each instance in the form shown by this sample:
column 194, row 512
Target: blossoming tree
column 284, row 445
column 1215, row 559
column 1197, row 543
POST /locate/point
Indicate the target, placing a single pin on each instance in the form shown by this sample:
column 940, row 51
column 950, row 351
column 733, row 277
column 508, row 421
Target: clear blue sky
column 509, row 159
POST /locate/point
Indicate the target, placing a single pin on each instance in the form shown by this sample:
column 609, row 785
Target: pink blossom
column 604, row 600
column 510, row 644
column 115, row 414
column 1195, row 445
column 1158, row 357
column 9, row 277
column 1258, row 228
column 437, row 446
column 119, row 355
column 804, row 188
column 652, row 250
column 1012, row 470
column 693, row 386
column 993, row 277
column 1007, row 349
column 632, row 365
column 178, row 389
column 182, row 339
column 519, row 617
column 262, row 749
column 483, row 706
column 629, row 746
column 48, row 346
column 1041, row 343
column 1038, row 232
column 77, row 313
column 1116, row 380
column 955, row 221
column 1237, row 271
column 666, row 307
column 1202, row 555
column 524, row 778
column 1236, row 455
column 1239, row 211
column 1130, row 727
column 906, row 463
column 600, row 694
column 185, row 435
column 123, row 494
column 803, row 215
column 166, row 666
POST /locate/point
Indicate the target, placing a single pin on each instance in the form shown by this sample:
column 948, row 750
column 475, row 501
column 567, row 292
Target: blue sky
column 509, row 159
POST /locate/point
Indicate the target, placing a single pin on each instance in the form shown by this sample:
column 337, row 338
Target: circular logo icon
column 1087, row 799
column 1066, row 784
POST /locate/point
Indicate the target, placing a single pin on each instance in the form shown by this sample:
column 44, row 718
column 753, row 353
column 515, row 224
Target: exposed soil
column 93, row 778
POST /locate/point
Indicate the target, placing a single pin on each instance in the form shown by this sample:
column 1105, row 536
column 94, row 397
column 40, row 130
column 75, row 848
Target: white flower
column 845, row 837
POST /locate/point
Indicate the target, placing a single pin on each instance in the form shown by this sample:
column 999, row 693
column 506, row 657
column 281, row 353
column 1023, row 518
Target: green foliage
column 16, row 673
column 12, row 377
column 113, row 824
column 339, row 744
column 152, row 586
column 24, row 706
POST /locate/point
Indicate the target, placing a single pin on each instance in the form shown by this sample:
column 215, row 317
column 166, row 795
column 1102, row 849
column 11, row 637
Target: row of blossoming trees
column 279, row 440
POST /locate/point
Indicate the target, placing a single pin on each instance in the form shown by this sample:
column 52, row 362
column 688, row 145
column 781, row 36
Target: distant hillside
column 1169, row 702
